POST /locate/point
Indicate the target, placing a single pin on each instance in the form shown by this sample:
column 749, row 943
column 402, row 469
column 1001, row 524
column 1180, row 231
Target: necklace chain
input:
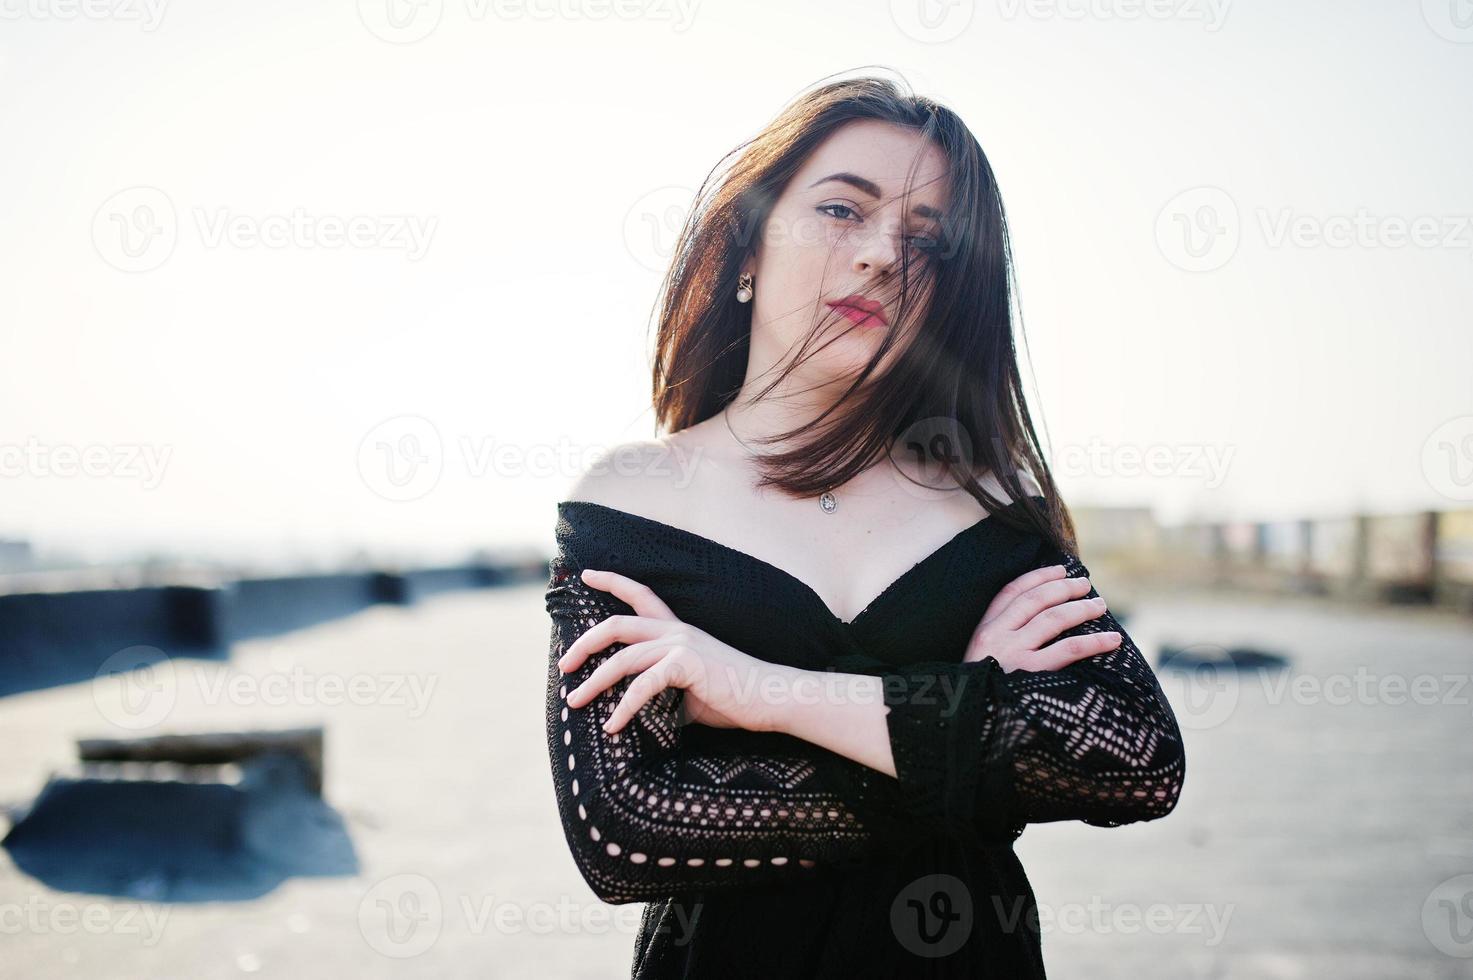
column 827, row 502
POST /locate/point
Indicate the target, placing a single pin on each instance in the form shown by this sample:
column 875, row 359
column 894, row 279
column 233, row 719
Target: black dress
column 760, row 854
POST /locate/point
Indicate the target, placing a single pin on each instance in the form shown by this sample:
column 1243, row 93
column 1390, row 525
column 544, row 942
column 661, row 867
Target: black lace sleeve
column 980, row 752
column 645, row 817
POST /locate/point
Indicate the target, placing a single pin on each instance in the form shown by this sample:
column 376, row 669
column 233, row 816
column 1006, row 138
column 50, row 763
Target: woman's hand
column 1030, row 611
column 724, row 688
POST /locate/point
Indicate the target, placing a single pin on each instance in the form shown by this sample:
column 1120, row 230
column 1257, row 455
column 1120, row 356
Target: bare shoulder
column 994, row 486
column 641, row 476
column 1030, row 484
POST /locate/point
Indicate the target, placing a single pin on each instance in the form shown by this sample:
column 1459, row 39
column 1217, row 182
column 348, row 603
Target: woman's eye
column 928, row 244
column 842, row 207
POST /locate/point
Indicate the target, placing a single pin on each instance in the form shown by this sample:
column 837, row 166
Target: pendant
column 828, row 502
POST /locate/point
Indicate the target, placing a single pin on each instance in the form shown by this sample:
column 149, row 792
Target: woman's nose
column 877, row 249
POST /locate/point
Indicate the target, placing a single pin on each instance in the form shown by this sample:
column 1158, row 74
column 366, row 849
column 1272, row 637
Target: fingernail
column 590, row 571
column 1098, row 602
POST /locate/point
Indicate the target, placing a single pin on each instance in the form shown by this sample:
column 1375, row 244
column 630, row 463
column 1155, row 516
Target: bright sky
column 258, row 257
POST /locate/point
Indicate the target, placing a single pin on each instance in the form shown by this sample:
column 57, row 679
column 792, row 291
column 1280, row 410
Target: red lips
column 860, row 309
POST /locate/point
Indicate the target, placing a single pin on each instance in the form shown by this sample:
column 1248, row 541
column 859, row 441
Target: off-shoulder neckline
column 809, row 592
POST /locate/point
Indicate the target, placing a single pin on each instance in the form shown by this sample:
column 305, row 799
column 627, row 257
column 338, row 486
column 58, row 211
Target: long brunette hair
column 954, row 395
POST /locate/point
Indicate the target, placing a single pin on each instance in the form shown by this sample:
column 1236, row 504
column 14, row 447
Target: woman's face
column 838, row 232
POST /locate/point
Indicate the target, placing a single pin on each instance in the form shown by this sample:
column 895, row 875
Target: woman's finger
column 605, row 633
column 668, row 672
column 629, row 660
column 1020, row 612
column 617, row 628
column 1055, row 621
column 1020, row 585
column 1072, row 649
column 637, row 594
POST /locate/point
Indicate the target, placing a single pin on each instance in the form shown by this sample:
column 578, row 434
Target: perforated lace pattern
column 979, row 753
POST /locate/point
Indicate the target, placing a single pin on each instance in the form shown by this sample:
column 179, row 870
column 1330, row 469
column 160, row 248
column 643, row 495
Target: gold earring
column 744, row 288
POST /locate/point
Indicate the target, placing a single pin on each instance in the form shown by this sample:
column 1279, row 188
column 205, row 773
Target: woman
column 815, row 762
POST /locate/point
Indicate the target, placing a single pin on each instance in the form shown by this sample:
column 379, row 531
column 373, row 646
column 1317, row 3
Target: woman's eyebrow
column 873, row 190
